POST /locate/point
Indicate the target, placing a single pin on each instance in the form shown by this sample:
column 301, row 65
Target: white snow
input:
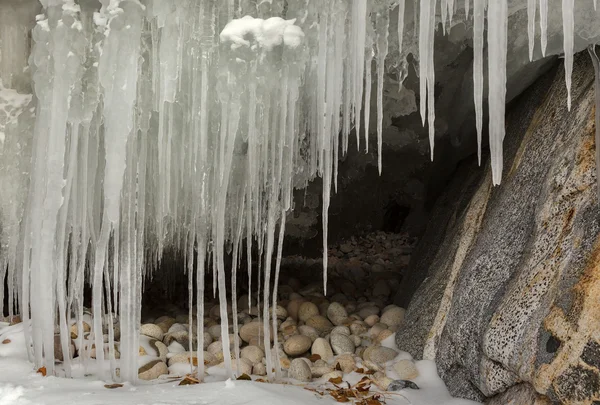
column 21, row 385
column 267, row 33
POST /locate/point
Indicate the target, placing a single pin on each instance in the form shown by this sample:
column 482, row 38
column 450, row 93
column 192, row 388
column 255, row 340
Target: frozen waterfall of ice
column 187, row 124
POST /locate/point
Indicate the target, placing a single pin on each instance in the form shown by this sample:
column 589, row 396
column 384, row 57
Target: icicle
column 382, row 29
column 568, row 10
column 467, row 7
column 359, row 24
column 531, row 10
column 497, row 50
column 401, row 12
column 426, row 68
column 544, row 25
column 596, row 61
column 478, row 33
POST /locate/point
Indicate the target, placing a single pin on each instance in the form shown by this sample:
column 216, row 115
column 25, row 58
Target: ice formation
column 186, row 125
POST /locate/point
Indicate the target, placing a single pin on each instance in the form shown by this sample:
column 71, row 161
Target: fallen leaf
column 244, row 377
column 42, row 371
column 6, row 341
column 113, row 386
column 260, row 380
column 189, row 380
column 338, row 367
column 336, row 380
column 314, row 357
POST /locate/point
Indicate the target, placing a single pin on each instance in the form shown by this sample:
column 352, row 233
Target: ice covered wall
column 187, row 124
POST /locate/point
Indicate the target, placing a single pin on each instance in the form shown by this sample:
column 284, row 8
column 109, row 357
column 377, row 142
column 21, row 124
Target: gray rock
column 300, row 370
column 398, row 385
column 297, row 345
column 500, row 266
column 341, row 344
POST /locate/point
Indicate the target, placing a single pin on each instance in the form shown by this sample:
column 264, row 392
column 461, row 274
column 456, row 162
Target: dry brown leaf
column 336, row 380
column 338, row 367
column 189, row 380
column 244, row 377
column 113, row 386
column 6, row 341
column 314, row 357
column 42, row 371
column 260, row 380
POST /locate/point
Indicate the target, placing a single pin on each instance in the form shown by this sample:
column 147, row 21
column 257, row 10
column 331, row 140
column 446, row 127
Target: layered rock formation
column 510, row 275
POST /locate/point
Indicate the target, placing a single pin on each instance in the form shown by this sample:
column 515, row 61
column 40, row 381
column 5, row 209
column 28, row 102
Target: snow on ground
column 21, row 385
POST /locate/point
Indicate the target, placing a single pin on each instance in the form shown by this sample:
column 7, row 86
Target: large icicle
column 478, row 34
column 531, row 10
column 568, row 11
column 497, row 51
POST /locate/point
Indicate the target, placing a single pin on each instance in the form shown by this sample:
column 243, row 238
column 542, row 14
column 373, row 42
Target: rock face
column 512, row 274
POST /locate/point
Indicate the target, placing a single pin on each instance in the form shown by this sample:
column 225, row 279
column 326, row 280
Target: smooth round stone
column 177, row 327
column 393, row 316
column 381, row 380
column 161, row 349
column 358, row 328
column 58, row 351
column 297, row 345
column 346, row 362
column 281, row 313
column 300, row 371
column 377, row 329
column 371, row 320
column 294, row 306
column 356, row 340
column 322, row 347
column 215, row 332
column 368, row 311
column 86, row 328
column 285, row 363
column 289, row 330
column 380, row 354
column 336, row 313
column 152, row 370
column 381, row 289
column 259, row 369
column 406, row 370
column 320, row 323
column 252, row 330
column 342, row 330
column 309, row 331
column 319, row 371
column 152, row 330
column 245, row 367
column 341, row 344
column 383, row 335
column 207, row 340
column 184, row 358
column 253, row 353
column 182, row 337
column 215, row 348
column 307, row 310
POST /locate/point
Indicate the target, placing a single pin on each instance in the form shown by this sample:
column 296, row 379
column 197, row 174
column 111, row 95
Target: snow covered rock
column 153, row 370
